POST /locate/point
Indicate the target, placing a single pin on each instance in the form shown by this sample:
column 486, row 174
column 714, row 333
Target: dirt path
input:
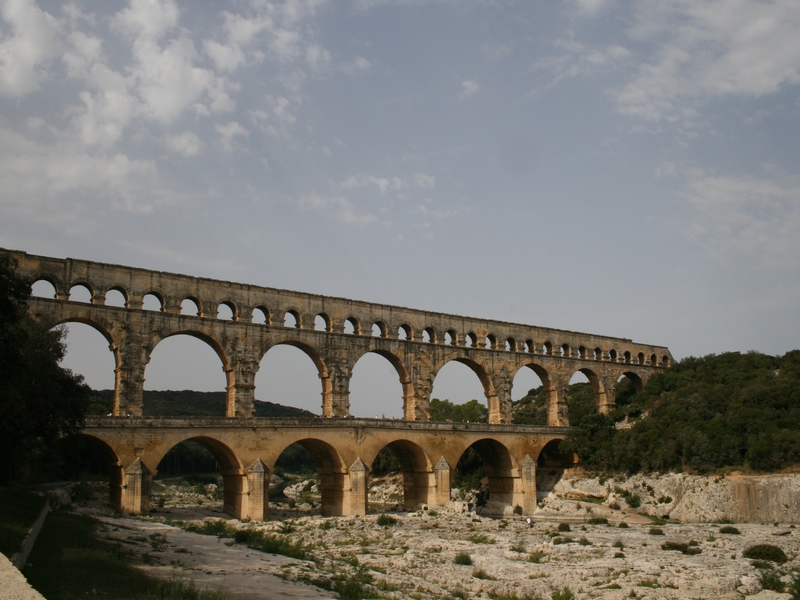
column 244, row 574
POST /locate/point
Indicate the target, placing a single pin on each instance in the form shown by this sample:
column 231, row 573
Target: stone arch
column 550, row 466
column 265, row 314
column 566, row 350
column 235, row 488
column 553, row 404
column 451, row 337
column 511, row 344
column 430, row 333
column 81, row 284
column 313, row 353
column 471, row 340
column 332, row 470
column 100, row 449
column 203, row 336
column 636, row 380
column 492, row 400
column 409, row 397
column 416, row 468
column 547, row 348
column 354, row 324
column 382, row 330
column 188, row 310
column 490, row 341
column 231, row 306
column 598, row 354
column 627, row 356
column 499, row 467
column 612, row 355
column 322, row 322
column 58, row 285
column 603, row 403
column 158, row 296
column 121, row 290
column 529, row 347
column 407, row 331
column 294, row 314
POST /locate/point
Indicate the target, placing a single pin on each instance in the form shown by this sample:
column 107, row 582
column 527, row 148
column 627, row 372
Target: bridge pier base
column 358, row 489
column 257, row 492
column 441, row 476
column 527, row 476
column 135, row 493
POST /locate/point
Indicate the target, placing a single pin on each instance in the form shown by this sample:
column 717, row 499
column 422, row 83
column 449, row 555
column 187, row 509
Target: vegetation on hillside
column 188, row 403
column 706, row 414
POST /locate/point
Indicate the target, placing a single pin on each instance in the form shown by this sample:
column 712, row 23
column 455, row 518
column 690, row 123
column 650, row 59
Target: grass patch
column 623, row 525
column 563, row 527
column 480, row 538
column 563, row 594
column 766, row 552
column 770, row 580
column 385, row 520
column 216, row 527
column 536, row 557
column 271, row 544
column 481, row 574
column 69, row 562
column 462, row 558
column 686, row 548
column 598, row 521
column 656, row 531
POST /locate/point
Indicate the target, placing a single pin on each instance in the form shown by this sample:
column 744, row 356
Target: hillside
column 709, row 414
column 188, row 403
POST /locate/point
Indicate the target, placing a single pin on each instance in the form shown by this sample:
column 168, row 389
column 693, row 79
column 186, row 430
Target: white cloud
column 745, row 220
column 24, row 55
column 469, row 87
column 340, row 208
column 186, row 143
column 708, row 50
column 227, row 132
column 578, row 59
column 358, row 65
column 384, row 184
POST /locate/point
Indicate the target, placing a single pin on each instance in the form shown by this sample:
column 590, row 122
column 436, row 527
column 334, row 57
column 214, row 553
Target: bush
column 770, row 580
column 481, row 574
column 536, row 557
column 517, row 510
column 598, row 521
column 584, row 542
column 729, row 529
column 690, row 548
column 617, row 544
column 564, row 594
column 623, row 525
column 462, row 558
column 656, row 531
column 480, row 538
column 766, row 552
column 619, row 555
column 385, row 520
column 563, row 527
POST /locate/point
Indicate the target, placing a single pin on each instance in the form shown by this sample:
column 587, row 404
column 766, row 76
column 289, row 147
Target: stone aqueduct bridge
column 334, row 333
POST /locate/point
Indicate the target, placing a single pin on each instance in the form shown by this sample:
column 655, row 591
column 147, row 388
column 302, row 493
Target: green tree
column 40, row 401
column 472, row 411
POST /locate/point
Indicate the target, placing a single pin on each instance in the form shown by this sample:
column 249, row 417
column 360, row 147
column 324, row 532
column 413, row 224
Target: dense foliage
column 731, row 410
column 469, row 412
column 39, row 400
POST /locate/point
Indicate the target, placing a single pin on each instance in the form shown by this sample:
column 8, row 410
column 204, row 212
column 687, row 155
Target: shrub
column 517, row 547
column 584, row 542
column 598, row 521
column 517, row 510
column 617, row 544
column 564, row 594
column 557, row 541
column 619, row 555
column 216, row 527
column 633, row 501
column 760, row 564
column 462, row 558
column 770, row 580
column 481, row 574
column 686, row 548
column 536, row 557
column 480, row 538
column 563, row 527
column 794, row 586
column 385, row 520
column 649, row 583
column 665, row 499
column 623, row 525
column 656, row 531
column 766, row 552
column 729, row 529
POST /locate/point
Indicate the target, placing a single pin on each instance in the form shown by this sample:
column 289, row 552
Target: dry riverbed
column 415, row 557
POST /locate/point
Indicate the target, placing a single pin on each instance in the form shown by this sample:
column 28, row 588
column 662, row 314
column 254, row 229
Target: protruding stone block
column 136, row 489
column 441, row 474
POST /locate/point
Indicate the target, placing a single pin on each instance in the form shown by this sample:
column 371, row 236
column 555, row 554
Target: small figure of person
column 529, row 521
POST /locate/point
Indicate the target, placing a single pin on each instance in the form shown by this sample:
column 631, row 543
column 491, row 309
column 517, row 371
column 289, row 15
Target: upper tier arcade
column 334, row 332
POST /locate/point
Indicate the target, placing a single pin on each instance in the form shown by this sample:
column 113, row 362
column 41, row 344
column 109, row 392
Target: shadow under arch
column 331, row 469
column 602, row 403
column 409, row 398
column 637, row 382
column 230, row 469
column 215, row 345
column 416, row 469
column 86, row 456
column 498, row 467
column 493, row 403
column 550, row 466
column 322, row 369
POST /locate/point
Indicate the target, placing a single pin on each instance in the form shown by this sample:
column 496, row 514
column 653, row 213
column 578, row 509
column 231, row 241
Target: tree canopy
column 39, row 400
column 731, row 410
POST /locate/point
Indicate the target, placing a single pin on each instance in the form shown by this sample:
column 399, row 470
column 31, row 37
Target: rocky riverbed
column 585, row 538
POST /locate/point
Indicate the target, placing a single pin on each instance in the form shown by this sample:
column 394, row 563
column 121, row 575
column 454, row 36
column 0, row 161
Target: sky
column 629, row 169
